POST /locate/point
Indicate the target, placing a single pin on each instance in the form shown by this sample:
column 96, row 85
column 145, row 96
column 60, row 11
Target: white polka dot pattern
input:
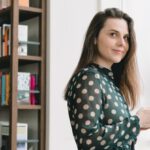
column 98, row 113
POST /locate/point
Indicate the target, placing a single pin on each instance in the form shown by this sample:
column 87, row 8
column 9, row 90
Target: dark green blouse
column 99, row 115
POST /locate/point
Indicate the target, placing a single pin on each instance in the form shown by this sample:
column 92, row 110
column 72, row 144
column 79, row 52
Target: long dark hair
column 125, row 72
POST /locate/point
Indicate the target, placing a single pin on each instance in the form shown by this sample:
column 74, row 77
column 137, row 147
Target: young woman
column 105, row 84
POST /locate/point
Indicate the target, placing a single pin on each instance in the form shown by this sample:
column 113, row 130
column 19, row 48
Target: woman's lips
column 118, row 51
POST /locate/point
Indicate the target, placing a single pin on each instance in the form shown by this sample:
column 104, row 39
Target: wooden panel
column 42, row 118
column 14, row 73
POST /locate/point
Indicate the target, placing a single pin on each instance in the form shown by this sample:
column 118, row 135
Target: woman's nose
column 121, row 41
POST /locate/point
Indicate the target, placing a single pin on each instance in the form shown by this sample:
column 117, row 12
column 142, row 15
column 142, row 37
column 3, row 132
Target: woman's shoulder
column 84, row 76
column 87, row 71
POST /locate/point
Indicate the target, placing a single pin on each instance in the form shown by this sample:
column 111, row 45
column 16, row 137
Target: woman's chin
column 117, row 60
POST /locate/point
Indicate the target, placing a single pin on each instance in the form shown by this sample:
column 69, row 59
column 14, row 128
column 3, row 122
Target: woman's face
column 112, row 42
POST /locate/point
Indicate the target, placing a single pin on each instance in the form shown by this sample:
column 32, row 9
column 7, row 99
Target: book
column 34, row 97
column 6, row 36
column 3, row 94
column 0, row 41
column 32, row 88
column 7, row 88
column 22, row 38
column 23, row 88
column 4, row 88
column 22, row 33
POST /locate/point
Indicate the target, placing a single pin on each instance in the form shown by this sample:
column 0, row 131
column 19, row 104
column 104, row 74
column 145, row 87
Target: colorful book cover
column 34, row 91
column 24, row 87
column 6, row 36
column 3, row 90
column 7, row 88
column 0, row 41
column 32, row 88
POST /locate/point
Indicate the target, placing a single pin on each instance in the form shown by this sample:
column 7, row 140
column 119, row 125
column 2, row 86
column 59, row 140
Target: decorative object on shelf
column 22, row 37
column 24, row 3
column 23, row 88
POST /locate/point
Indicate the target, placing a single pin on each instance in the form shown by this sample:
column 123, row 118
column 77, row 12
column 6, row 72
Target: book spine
column 7, row 88
column 3, row 90
column 0, row 87
column 32, row 88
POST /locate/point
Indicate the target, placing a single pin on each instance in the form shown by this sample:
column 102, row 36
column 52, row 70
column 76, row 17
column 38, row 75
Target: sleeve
column 88, row 128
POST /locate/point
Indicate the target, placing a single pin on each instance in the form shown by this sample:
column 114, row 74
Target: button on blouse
column 98, row 112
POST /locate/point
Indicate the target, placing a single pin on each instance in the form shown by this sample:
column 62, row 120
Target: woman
column 105, row 84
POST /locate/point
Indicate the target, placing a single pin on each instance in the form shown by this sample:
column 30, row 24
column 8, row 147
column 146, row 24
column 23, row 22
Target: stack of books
column 27, row 88
column 5, row 40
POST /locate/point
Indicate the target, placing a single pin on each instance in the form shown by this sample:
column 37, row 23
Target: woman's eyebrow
column 114, row 30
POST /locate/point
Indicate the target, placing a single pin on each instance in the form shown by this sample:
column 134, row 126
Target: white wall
column 139, row 11
column 69, row 20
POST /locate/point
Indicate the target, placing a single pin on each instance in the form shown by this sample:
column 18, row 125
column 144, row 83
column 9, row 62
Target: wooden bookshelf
column 34, row 62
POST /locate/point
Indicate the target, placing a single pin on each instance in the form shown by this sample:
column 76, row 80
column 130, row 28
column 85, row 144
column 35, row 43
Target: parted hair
column 126, row 73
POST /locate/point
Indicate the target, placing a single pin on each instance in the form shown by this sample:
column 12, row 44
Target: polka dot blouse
column 99, row 115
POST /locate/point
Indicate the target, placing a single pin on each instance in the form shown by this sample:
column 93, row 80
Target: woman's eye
column 126, row 38
column 113, row 34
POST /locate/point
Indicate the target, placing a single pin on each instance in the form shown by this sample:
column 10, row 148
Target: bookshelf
column 33, row 63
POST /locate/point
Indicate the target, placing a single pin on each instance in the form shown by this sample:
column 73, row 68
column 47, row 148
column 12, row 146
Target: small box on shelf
column 27, row 88
column 22, row 36
column 23, row 88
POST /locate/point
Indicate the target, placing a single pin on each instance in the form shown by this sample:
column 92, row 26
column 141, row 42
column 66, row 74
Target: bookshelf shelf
column 30, row 9
column 28, row 141
column 29, row 58
column 32, row 107
column 29, row 42
column 28, row 13
column 23, row 73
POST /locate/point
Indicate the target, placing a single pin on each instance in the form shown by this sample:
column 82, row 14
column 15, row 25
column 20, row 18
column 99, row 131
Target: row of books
column 6, row 3
column 28, row 92
column 5, row 40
